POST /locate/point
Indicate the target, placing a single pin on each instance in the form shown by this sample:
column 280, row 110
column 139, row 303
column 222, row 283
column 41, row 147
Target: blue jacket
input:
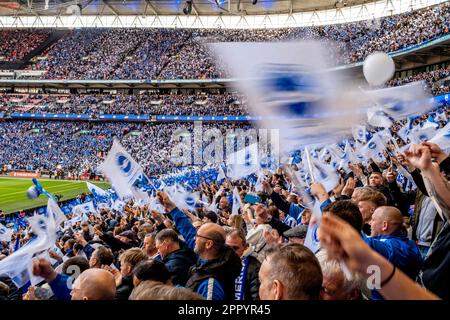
column 60, row 288
column 400, row 251
column 212, row 279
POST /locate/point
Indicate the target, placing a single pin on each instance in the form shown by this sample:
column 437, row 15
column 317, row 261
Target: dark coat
column 179, row 262
column 124, row 290
column 225, row 269
column 251, row 287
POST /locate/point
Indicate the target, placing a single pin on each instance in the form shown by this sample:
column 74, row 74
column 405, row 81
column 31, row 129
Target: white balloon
column 32, row 192
column 378, row 68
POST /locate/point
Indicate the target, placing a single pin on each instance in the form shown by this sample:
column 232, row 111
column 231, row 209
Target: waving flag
column 375, row 149
column 359, row 133
column 97, row 192
column 442, row 137
column 84, row 208
column 221, row 176
column 243, row 162
column 288, row 87
column 440, row 116
column 5, row 233
column 17, row 265
column 325, row 174
column 405, row 132
column 54, row 210
column 237, row 203
column 121, row 170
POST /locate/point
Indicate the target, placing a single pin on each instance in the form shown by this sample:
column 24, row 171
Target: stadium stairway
column 18, row 65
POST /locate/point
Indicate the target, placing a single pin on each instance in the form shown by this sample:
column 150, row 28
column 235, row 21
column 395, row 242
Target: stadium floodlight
column 187, row 7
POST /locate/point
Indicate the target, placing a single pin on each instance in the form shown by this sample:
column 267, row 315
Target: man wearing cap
column 296, row 234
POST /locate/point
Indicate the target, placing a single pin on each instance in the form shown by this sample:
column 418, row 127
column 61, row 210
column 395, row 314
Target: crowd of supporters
column 186, row 104
column 77, row 146
column 15, row 44
column 182, row 53
column 229, row 248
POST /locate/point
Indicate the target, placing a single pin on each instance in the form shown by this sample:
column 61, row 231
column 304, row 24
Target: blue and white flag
column 221, row 176
column 312, row 241
column 440, row 116
column 359, row 133
column 17, row 265
column 84, row 208
column 121, row 170
column 97, row 192
column 237, row 202
column 442, row 137
column 54, row 210
column 375, row 149
column 405, row 131
column 325, row 174
column 288, row 86
column 243, row 162
column 5, row 233
column 402, row 101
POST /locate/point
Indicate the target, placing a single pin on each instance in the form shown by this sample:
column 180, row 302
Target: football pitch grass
column 13, row 191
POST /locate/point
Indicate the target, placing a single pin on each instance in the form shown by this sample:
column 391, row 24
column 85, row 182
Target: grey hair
column 332, row 269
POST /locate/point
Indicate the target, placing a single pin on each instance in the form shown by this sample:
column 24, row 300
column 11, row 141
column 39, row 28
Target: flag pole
column 309, row 162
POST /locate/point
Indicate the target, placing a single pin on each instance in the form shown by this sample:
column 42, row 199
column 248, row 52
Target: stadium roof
column 202, row 14
column 172, row 7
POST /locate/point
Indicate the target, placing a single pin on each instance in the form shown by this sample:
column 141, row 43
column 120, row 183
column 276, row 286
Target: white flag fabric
column 237, row 203
column 5, row 233
column 55, row 210
column 84, row 208
column 375, row 149
column 221, row 174
column 121, row 170
column 96, row 191
column 17, row 265
column 213, row 205
column 243, row 162
column 312, row 241
column 359, row 133
column 325, row 174
column 442, row 137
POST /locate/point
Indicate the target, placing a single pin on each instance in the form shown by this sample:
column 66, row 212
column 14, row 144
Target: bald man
column 94, row 284
column 214, row 274
column 388, row 237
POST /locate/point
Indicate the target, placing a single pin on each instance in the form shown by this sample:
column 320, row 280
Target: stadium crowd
column 15, row 44
column 198, row 104
column 164, row 251
column 182, row 54
column 79, row 146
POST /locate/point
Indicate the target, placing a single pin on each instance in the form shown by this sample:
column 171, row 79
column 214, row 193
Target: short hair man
column 149, row 245
column 128, row 260
column 151, row 269
column 290, row 272
column 177, row 257
column 101, row 256
column 247, row 285
column 389, row 239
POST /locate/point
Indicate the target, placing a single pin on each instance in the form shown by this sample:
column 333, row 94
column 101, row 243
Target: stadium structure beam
column 106, row 2
column 152, row 7
column 194, row 7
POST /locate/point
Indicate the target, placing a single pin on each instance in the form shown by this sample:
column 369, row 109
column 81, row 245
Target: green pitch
column 13, row 192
